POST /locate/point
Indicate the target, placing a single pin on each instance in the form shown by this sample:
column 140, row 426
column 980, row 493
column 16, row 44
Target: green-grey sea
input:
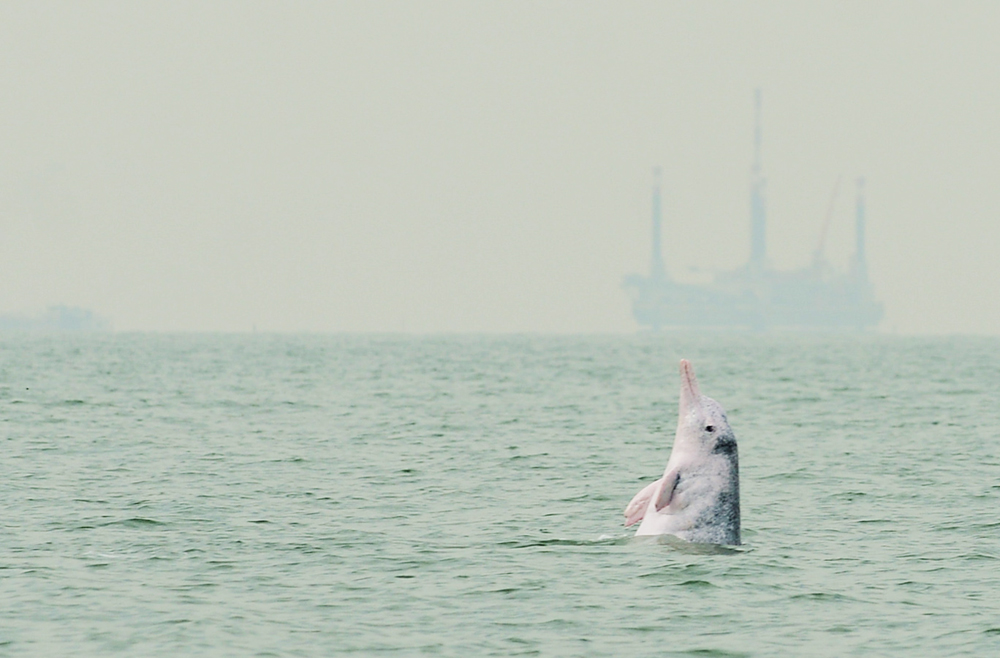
column 326, row 495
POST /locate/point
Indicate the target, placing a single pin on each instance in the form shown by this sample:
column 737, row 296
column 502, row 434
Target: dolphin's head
column 702, row 426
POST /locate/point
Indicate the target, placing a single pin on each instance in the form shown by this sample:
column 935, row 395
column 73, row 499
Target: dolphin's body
column 698, row 497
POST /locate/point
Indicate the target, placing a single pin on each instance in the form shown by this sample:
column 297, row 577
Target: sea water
column 276, row 495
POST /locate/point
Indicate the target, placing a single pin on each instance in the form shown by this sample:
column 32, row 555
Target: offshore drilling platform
column 754, row 296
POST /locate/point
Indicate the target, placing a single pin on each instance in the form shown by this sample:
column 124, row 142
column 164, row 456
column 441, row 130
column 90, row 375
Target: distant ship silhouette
column 755, row 296
column 55, row 319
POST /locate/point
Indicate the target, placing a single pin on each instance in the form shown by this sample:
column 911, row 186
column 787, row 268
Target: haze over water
column 485, row 167
column 216, row 495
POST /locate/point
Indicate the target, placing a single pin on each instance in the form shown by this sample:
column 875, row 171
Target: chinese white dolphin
column 698, row 497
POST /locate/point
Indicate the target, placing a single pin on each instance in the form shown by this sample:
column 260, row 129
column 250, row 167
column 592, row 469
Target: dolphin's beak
column 690, row 395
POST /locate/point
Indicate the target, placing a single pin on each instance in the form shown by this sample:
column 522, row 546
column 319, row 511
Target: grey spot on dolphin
column 698, row 497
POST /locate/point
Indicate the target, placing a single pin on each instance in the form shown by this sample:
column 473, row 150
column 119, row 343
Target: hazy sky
column 484, row 166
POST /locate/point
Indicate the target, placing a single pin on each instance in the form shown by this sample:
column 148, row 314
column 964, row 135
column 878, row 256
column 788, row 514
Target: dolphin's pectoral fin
column 636, row 509
column 666, row 492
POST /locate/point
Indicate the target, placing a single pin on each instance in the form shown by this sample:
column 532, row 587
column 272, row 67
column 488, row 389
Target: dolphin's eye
column 709, row 428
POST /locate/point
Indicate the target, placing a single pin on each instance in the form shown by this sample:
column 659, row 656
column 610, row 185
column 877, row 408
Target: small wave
column 135, row 522
column 691, row 548
column 980, row 556
column 849, row 495
column 821, row 596
column 987, row 526
column 603, row 540
column 697, row 584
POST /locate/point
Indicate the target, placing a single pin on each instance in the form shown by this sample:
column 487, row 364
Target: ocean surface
column 281, row 495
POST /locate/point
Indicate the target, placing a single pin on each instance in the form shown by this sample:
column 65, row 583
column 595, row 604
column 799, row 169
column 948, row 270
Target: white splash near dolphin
column 698, row 497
